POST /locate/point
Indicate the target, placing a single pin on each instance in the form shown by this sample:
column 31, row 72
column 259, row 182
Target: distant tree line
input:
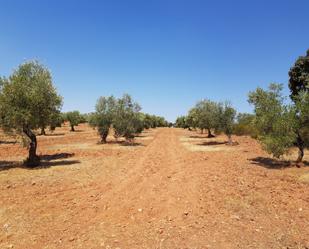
column 210, row 116
column 276, row 123
column 29, row 102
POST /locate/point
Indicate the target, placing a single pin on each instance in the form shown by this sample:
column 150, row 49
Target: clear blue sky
column 166, row 53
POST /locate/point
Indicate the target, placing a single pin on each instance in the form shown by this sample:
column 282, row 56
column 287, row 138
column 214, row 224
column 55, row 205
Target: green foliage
column 302, row 115
column 181, row 122
column 275, row 121
column 153, row 121
column 226, row 119
column 74, row 117
column 122, row 114
column 192, row 118
column 56, row 121
column 148, row 121
column 299, row 76
column 208, row 114
column 104, row 116
column 29, row 97
column 127, row 120
column 28, row 100
column 245, row 125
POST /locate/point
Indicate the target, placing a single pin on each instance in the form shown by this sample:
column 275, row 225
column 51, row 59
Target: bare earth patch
column 159, row 193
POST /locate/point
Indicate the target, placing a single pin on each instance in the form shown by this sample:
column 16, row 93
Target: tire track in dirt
column 160, row 188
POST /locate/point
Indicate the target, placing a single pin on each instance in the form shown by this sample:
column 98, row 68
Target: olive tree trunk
column 32, row 160
column 72, row 128
column 209, row 133
column 300, row 146
column 103, row 137
column 43, row 133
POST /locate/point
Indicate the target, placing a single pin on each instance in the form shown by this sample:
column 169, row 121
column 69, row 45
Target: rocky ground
column 172, row 189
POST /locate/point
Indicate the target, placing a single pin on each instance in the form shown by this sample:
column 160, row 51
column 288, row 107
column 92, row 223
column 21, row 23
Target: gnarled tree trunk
column 209, row 133
column 72, row 128
column 32, row 160
column 103, row 138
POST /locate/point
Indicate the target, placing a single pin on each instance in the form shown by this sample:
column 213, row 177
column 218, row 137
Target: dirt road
column 160, row 193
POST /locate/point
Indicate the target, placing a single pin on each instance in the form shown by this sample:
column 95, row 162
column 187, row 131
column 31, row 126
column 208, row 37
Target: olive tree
column 103, row 116
column 227, row 116
column 74, row 117
column 28, row 100
column 126, row 121
column 181, row 122
column 205, row 115
column 55, row 121
column 192, row 118
column 275, row 121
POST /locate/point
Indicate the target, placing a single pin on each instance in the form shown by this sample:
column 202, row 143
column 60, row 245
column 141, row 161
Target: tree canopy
column 28, row 100
column 75, row 118
column 299, row 76
column 277, row 123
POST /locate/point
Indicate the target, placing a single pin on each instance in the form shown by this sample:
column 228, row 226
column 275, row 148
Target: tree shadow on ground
column 272, row 163
column 6, row 165
column 8, row 142
column 46, row 162
column 141, row 136
column 56, row 156
column 131, row 144
column 196, row 136
column 54, row 134
column 122, row 143
column 211, row 143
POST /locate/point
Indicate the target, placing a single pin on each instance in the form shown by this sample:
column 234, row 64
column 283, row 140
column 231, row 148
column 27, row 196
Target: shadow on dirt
column 198, row 137
column 131, row 144
column 8, row 142
column 271, row 163
column 46, row 162
column 122, row 143
column 56, row 156
column 54, row 134
column 211, row 143
column 141, row 136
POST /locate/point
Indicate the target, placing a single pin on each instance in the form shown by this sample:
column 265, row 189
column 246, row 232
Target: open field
column 172, row 189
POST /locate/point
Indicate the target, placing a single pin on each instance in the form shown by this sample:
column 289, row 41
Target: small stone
column 71, row 239
column 8, row 186
column 6, row 226
column 186, row 213
column 33, row 183
column 10, row 246
column 140, row 210
column 300, row 209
